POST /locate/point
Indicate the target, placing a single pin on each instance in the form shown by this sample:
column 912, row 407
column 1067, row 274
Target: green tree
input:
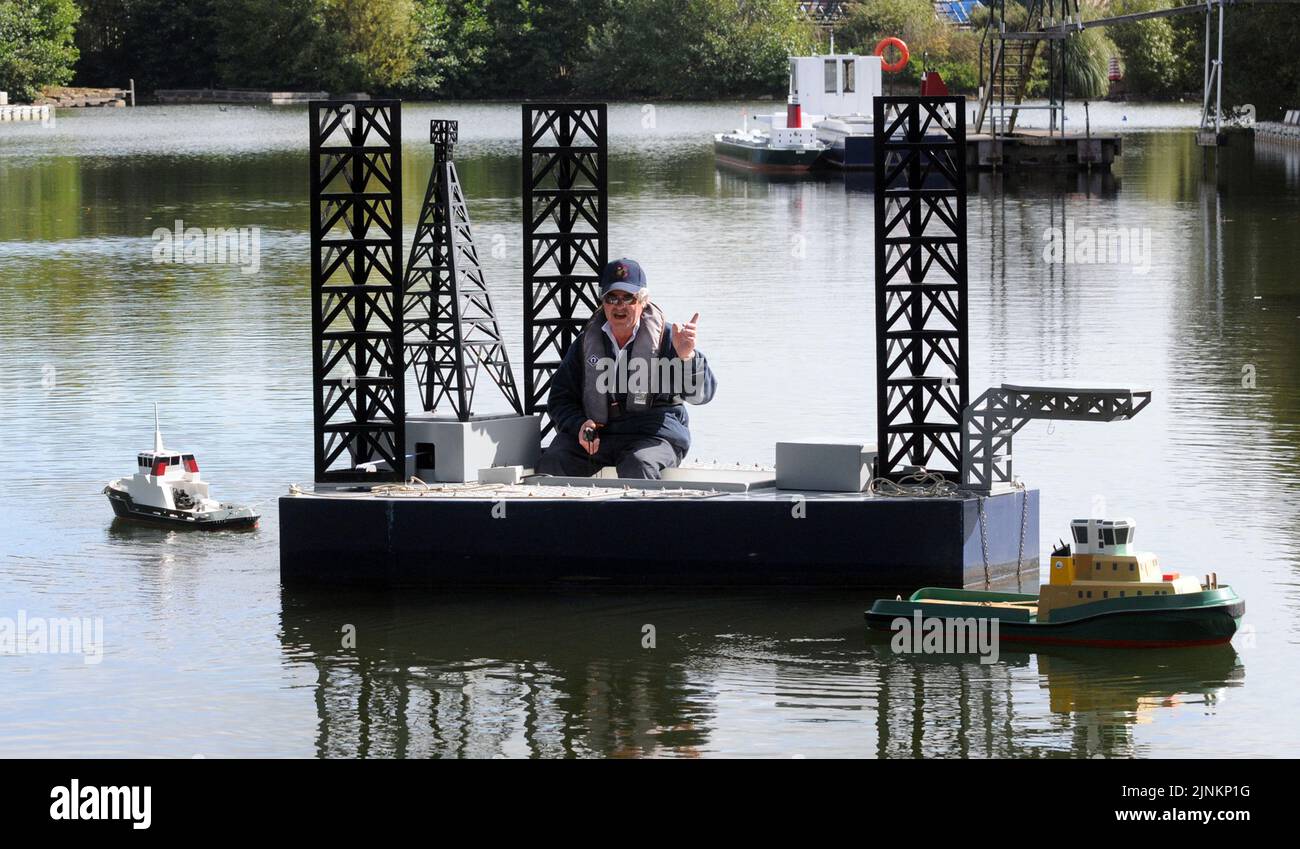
column 36, row 45
column 499, row 48
column 934, row 43
column 337, row 45
column 158, row 43
column 1261, row 65
column 378, row 42
column 1087, row 64
column 1155, row 51
column 277, row 45
column 455, row 41
column 693, row 48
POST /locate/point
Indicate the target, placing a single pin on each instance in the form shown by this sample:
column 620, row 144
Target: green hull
column 765, row 158
column 1187, row 619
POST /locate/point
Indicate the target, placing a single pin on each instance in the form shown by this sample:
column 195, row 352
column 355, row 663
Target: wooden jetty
column 63, row 97
column 238, row 96
column 1041, row 149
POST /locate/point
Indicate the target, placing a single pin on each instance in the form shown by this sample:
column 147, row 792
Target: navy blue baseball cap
column 622, row 275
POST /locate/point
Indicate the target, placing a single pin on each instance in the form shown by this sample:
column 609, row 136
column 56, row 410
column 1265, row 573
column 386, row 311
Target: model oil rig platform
column 445, row 497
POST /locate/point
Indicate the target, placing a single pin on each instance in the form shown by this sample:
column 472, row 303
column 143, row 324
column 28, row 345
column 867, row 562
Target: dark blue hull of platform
column 856, row 153
column 731, row 541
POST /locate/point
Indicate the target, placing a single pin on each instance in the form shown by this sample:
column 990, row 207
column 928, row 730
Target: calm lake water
column 205, row 654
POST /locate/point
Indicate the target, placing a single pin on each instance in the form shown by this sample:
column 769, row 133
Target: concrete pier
column 1285, row 132
column 488, row 536
column 25, row 113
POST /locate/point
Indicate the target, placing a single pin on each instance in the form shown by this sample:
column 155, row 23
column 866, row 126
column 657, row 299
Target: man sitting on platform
column 618, row 397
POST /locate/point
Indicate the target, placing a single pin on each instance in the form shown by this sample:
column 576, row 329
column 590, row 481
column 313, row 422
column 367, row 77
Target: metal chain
column 1024, row 516
column 984, row 541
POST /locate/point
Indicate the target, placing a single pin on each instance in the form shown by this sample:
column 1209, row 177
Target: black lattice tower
column 356, row 232
column 451, row 329
column 565, row 193
column 921, row 331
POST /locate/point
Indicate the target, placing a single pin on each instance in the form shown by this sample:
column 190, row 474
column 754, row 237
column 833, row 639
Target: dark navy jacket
column 664, row 419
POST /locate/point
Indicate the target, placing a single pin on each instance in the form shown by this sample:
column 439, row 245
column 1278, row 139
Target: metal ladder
column 1007, row 60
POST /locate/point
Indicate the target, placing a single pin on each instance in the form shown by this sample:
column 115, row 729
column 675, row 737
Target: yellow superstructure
column 1102, row 565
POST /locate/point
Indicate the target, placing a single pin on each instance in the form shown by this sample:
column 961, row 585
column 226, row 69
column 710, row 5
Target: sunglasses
column 615, row 299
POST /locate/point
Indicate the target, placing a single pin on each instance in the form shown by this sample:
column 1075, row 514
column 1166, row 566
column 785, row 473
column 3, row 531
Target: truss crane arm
column 989, row 423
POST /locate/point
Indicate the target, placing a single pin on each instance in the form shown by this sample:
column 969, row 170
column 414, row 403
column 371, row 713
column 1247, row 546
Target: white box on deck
column 443, row 449
column 509, row 475
column 824, row 466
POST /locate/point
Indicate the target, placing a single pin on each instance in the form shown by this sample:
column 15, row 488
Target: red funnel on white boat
column 793, row 113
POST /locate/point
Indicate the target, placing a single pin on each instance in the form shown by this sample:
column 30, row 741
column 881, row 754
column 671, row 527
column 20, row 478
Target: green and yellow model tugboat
column 1101, row 594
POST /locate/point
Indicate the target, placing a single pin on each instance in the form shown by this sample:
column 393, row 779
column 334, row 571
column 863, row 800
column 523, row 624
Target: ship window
column 1106, row 594
column 1139, row 592
column 1080, row 534
column 1108, row 536
column 1089, row 593
column 1121, row 593
column 831, row 78
column 1114, row 566
column 1130, row 567
column 1080, row 593
column 848, row 75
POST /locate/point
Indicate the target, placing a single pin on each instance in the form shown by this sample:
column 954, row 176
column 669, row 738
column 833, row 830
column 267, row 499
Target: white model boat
column 827, row 120
column 166, row 490
column 769, row 148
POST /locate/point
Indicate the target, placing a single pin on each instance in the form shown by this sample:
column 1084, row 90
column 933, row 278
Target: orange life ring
column 893, row 67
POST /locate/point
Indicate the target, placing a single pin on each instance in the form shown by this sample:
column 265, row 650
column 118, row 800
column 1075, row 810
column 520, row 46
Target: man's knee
column 563, row 461
column 648, row 461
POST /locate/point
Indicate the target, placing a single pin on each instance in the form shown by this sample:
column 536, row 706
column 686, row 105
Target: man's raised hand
column 684, row 337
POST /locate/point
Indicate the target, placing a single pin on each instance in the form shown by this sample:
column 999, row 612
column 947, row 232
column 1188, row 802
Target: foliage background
column 614, row 49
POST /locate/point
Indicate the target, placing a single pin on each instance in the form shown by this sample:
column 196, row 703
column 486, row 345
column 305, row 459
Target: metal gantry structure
column 1008, row 52
column 356, row 289
column 450, row 327
column 921, row 278
column 989, row 424
column 565, row 224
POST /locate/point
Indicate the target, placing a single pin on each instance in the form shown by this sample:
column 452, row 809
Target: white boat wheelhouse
column 835, row 85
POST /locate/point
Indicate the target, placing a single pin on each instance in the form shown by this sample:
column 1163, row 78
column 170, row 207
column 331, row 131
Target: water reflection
column 548, row 676
column 515, row 676
column 1107, row 694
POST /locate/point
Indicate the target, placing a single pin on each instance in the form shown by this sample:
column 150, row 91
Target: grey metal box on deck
column 825, row 466
column 444, row 449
